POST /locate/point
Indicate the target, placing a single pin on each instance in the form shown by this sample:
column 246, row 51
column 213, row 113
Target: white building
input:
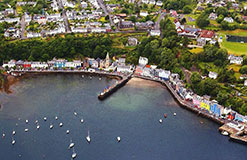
column 74, row 64
column 228, row 19
column 245, row 83
column 144, row 13
column 33, row 35
column 155, row 32
column 124, row 69
column 10, row 64
column 235, row 59
column 84, row 4
column 159, row 3
column 152, row 2
column 145, row 1
column 39, row 65
column 143, row 61
column 213, row 75
column 164, row 74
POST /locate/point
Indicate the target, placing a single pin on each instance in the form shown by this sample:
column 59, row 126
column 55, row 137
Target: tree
column 202, row 21
column 195, row 78
column 222, row 97
column 187, row 9
column 243, row 69
column 133, row 19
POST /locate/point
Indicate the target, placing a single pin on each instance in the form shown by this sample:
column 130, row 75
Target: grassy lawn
column 209, row 66
column 234, row 47
column 196, row 50
column 235, row 67
column 194, row 16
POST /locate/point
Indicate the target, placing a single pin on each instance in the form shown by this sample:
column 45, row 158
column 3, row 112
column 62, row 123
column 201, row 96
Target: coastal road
column 23, row 26
column 102, row 5
column 65, row 18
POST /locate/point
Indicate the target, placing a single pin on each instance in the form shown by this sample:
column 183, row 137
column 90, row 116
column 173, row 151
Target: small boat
column 82, row 120
column 45, row 118
column 160, row 120
column 3, row 135
column 36, row 121
column 75, row 113
column 82, row 76
column 60, row 124
column 51, row 126
column 26, row 121
column 71, row 145
column 56, row 118
column 165, row 115
column 100, row 79
column 38, row 127
column 175, row 114
column 118, row 139
column 225, row 133
column 13, row 133
column 73, row 154
column 67, row 132
column 26, row 130
column 13, row 141
column 88, row 137
column 90, row 77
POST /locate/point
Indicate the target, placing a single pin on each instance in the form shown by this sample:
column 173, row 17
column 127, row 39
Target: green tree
column 187, row 9
column 202, row 21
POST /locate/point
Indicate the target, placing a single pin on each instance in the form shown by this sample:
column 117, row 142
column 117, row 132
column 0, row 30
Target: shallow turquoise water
column 132, row 113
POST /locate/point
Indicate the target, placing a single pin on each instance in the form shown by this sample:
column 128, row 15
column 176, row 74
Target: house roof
column 207, row 34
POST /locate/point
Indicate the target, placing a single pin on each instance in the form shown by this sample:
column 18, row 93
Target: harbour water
column 132, row 113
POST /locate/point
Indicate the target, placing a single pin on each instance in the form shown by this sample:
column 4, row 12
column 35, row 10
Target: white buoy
column 26, row 121
column 56, row 118
column 60, row 124
column 160, row 120
column 45, row 118
column 13, row 132
column 118, row 139
column 67, row 132
column 26, row 130
column 51, row 126
column 82, row 120
column 175, row 114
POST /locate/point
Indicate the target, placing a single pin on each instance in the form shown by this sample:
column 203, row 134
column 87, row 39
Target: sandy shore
column 139, row 82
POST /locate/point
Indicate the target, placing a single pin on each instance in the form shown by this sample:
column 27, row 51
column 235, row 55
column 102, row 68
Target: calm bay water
column 132, row 113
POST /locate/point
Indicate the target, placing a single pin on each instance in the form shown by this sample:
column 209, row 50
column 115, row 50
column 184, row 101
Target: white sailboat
column 13, row 132
column 13, row 141
column 73, row 156
column 118, row 139
column 26, row 130
column 26, row 121
column 88, row 137
column 175, row 114
column 3, row 135
column 38, row 127
column 60, row 124
column 51, row 126
column 67, row 132
column 36, row 121
column 56, row 118
column 75, row 113
column 45, row 118
column 160, row 120
column 82, row 120
column 71, row 145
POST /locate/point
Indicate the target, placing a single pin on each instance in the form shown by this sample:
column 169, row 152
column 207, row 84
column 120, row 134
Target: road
column 65, row 18
column 23, row 26
column 102, row 5
column 157, row 23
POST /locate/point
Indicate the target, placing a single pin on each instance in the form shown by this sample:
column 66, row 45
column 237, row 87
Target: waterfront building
column 94, row 64
column 124, row 68
column 164, row 74
column 39, row 65
column 143, row 61
column 212, row 75
column 19, row 63
column 139, row 70
column 73, row 64
column 86, row 63
column 60, row 63
column 10, row 64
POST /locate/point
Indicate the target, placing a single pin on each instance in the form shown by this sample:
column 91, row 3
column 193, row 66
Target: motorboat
column 160, row 120
column 175, row 114
column 75, row 113
column 60, row 124
column 36, row 121
column 26, row 130
column 3, row 135
column 165, row 115
column 118, row 139
column 45, row 118
column 56, row 118
column 13, row 133
column 88, row 137
column 82, row 76
column 51, row 126
column 13, row 141
column 82, row 120
column 67, row 132
column 225, row 133
column 26, row 121
column 100, row 79
column 38, row 127
column 71, row 145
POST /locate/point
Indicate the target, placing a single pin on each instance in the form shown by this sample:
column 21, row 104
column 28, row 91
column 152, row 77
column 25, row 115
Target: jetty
column 107, row 92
